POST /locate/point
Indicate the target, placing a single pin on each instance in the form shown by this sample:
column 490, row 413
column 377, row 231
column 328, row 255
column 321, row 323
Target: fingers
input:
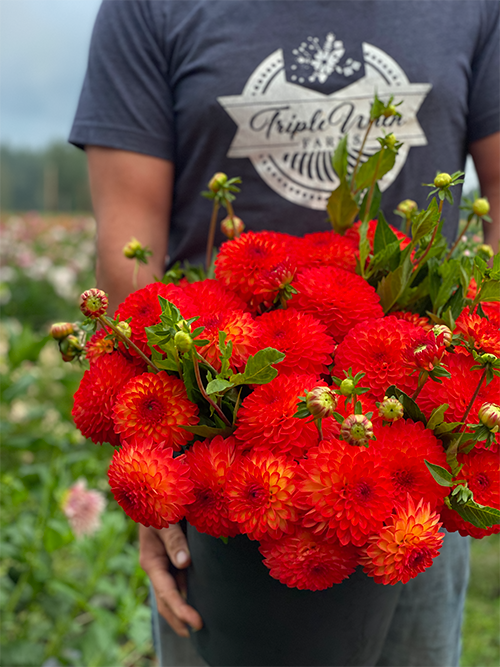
column 155, row 562
column 176, row 545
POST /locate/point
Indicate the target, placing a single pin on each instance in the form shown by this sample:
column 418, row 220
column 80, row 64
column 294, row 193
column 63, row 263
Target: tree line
column 50, row 179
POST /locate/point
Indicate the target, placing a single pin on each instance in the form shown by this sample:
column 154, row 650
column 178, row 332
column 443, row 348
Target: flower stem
column 211, row 235
column 106, row 322
column 358, row 159
column 422, row 379
column 419, row 262
column 474, row 396
column 204, row 393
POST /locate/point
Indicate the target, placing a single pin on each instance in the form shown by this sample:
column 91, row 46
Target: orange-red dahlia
column 405, row 547
column 424, row 350
column 305, row 561
column 210, row 296
column 301, row 337
column 338, row 298
column 326, row 249
column 266, row 417
column 479, row 332
column 96, row 396
column 346, row 490
column 260, row 488
column 156, row 407
column 377, row 349
column 241, row 330
column 98, row 346
column 242, row 262
column 403, row 446
column 149, row 484
column 413, row 318
column 209, row 463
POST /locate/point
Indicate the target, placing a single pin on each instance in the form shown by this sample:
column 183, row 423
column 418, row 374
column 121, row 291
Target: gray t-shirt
column 264, row 90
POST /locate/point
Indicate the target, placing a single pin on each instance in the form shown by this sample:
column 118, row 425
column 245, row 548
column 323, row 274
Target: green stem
column 474, row 396
column 204, row 393
column 358, row 159
column 422, row 379
column 106, row 322
column 211, row 235
column 372, row 187
column 230, row 212
column 419, row 262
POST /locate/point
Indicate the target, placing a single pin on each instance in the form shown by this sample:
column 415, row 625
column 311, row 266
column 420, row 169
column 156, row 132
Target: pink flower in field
column 83, row 508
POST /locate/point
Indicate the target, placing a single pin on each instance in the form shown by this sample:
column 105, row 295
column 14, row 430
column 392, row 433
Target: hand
column 158, row 551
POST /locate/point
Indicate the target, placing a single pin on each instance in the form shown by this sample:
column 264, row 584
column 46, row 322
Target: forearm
column 486, row 156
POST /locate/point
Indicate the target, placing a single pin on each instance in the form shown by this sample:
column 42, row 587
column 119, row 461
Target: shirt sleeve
column 126, row 101
column 484, row 92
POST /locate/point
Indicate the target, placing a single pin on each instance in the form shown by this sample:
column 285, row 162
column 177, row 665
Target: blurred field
column 69, row 601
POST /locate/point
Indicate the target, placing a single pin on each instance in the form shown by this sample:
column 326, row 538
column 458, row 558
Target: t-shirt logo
column 289, row 120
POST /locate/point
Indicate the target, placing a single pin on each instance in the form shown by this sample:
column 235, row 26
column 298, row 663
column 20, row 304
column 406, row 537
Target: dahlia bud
column 321, row 402
column 488, row 358
column 132, row 248
column 60, row 330
column 184, row 325
column 70, row 347
column 443, row 334
column 481, row 207
column 93, row 303
column 407, row 206
column 390, row 140
column 183, row 341
column 217, row 181
column 125, row 329
column 391, row 409
column 232, row 226
column 485, row 249
column 389, row 111
column 442, row 180
column 489, row 415
column 347, row 387
column 357, row 430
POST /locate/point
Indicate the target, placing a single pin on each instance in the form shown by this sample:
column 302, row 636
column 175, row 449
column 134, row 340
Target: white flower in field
column 39, row 269
column 83, row 508
column 18, row 411
column 63, row 279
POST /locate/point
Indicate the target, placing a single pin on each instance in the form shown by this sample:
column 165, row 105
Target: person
column 177, row 90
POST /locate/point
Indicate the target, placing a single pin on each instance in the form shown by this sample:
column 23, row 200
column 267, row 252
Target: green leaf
column 342, row 207
column 374, row 168
column 478, row 515
column 441, row 475
column 393, row 284
column 364, row 244
column 258, row 369
column 339, row 158
column 446, row 427
column 425, row 222
column 437, row 416
column 374, row 210
column 167, row 365
column 412, row 411
column 209, row 431
column 384, row 236
column 490, row 291
column 217, row 386
column 170, row 313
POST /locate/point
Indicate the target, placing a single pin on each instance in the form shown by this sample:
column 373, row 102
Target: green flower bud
column 60, row 330
column 217, row 180
column 183, row 341
column 132, row 248
column 93, row 303
column 357, row 430
column 71, row 348
column 124, row 328
column 442, row 180
column 390, row 110
column 488, row 358
column 407, row 206
column 443, row 333
column 390, row 140
column 489, row 415
column 232, row 226
column 391, row 409
column 346, row 387
column 485, row 249
column 321, row 402
column 481, row 207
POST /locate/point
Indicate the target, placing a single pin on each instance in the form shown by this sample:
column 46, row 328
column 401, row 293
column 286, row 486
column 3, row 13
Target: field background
column 84, row 602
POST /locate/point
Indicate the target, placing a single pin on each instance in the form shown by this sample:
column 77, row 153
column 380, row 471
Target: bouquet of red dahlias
column 329, row 396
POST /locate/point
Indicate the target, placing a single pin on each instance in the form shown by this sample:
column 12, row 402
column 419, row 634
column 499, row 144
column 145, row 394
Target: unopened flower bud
column 442, row 180
column 407, row 206
column 443, row 334
column 489, row 415
column 70, row 347
column 390, row 110
column 132, row 248
column 232, row 226
column 390, row 140
column 485, row 249
column 321, row 402
column 488, row 358
column 183, row 341
column 217, row 181
column 347, row 387
column 124, row 328
column 481, row 207
column 184, row 325
column 93, row 303
column 391, row 409
column 60, row 330
column 357, row 430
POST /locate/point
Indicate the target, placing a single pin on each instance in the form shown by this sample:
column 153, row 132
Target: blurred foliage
column 50, row 179
column 64, row 600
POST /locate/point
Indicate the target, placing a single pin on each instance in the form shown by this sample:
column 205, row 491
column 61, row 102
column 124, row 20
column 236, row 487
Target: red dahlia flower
column 96, row 396
column 424, row 351
column 338, row 298
column 260, row 488
column 156, row 407
column 149, row 484
column 305, row 561
column 479, row 332
column 209, row 463
column 326, row 249
column 98, row 346
column 210, row 296
column 405, row 547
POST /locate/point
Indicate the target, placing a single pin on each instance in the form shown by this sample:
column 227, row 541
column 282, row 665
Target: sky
column 43, row 54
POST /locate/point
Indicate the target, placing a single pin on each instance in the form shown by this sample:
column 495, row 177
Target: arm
column 486, row 155
column 132, row 196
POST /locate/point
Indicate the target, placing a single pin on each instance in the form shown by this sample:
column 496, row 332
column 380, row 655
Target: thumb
column 175, row 545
